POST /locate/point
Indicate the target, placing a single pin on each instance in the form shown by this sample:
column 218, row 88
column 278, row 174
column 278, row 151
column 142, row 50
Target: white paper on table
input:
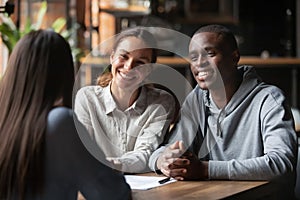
column 145, row 182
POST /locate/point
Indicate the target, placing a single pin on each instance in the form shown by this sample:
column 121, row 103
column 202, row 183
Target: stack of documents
column 146, row 182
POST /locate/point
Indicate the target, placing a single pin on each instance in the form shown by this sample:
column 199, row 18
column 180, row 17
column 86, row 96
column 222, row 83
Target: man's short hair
column 223, row 32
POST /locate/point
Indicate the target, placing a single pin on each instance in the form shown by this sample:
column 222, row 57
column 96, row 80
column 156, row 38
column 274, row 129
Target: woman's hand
column 116, row 164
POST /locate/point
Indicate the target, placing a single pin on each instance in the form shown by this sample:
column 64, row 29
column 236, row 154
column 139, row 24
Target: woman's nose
column 128, row 64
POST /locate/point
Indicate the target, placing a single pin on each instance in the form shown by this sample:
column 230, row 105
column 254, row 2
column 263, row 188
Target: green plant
column 10, row 34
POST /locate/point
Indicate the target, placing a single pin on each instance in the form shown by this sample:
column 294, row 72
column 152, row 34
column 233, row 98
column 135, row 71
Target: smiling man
column 233, row 126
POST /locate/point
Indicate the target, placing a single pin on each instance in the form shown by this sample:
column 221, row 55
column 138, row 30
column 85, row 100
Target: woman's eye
column 123, row 56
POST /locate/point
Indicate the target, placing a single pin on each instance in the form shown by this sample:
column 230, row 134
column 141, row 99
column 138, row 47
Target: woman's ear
column 58, row 102
column 236, row 56
column 112, row 57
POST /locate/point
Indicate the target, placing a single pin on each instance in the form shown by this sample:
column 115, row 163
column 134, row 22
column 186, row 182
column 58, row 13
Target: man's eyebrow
column 209, row 48
column 194, row 52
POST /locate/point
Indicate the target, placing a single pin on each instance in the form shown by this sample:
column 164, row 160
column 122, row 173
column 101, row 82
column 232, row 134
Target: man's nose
column 202, row 61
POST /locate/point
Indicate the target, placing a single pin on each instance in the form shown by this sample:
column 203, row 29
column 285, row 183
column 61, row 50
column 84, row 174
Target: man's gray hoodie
column 251, row 138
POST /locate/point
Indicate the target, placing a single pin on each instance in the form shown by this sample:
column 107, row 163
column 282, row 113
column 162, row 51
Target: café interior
column 268, row 34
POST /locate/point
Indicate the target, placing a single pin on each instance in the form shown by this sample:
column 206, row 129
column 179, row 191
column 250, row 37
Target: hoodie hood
column 249, row 85
column 246, row 92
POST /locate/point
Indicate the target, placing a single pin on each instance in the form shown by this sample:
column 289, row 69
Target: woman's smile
column 127, row 76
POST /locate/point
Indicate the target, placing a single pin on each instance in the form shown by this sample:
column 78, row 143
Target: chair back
column 297, row 187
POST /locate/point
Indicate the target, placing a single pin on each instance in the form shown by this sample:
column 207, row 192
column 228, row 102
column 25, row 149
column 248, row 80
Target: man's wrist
column 205, row 169
column 157, row 168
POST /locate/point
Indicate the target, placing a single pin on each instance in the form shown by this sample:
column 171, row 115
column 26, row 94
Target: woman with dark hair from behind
column 41, row 154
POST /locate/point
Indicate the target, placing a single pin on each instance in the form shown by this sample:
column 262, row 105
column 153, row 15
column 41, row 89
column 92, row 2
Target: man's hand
column 194, row 169
column 180, row 164
column 169, row 156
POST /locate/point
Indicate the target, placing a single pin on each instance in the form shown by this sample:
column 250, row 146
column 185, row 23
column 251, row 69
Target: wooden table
column 208, row 190
column 186, row 190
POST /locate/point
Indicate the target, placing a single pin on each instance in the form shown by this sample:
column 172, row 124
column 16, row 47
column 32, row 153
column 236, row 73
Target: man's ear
column 236, row 56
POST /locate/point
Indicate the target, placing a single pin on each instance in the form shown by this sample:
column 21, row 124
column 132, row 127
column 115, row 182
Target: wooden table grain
column 208, row 190
column 190, row 190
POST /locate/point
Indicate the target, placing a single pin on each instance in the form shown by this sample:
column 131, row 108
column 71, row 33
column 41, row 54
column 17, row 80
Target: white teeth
column 200, row 74
column 125, row 76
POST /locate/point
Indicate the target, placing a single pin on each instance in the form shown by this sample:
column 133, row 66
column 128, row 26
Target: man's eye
column 140, row 62
column 193, row 58
column 211, row 53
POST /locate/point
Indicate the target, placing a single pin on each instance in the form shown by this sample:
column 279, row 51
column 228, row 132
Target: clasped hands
column 180, row 164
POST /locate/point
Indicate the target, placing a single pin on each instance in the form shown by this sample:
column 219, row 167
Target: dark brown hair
column 40, row 71
column 224, row 33
column 138, row 32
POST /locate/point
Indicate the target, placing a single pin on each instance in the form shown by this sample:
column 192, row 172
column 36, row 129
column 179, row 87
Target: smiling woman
column 127, row 119
column 128, row 70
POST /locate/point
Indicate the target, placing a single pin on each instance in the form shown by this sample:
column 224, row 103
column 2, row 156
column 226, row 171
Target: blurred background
column 268, row 32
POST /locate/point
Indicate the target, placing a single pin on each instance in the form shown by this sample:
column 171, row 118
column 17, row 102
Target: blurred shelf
column 208, row 19
column 132, row 8
column 290, row 63
column 245, row 60
column 269, row 62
